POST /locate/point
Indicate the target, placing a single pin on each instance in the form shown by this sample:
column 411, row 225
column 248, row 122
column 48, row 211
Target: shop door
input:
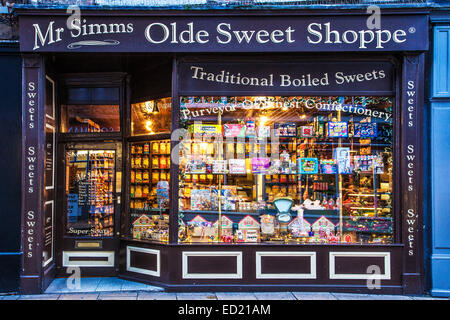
column 91, row 208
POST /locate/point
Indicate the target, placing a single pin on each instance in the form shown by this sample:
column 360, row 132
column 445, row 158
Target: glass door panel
column 89, row 191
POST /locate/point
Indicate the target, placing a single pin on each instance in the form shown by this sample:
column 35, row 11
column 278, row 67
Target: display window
column 298, row 169
column 149, row 173
column 151, row 117
column 149, row 190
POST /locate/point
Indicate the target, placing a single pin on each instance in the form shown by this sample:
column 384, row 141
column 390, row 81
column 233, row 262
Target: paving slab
column 235, row 296
column 351, row 296
column 67, row 285
column 157, row 296
column 78, row 296
column 196, row 296
column 123, row 295
column 53, row 296
column 10, row 297
column 313, row 296
column 427, row 298
column 274, row 296
column 110, row 284
column 117, row 298
column 131, row 285
column 388, row 297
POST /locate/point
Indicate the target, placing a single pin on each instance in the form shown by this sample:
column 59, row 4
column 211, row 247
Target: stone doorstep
column 162, row 295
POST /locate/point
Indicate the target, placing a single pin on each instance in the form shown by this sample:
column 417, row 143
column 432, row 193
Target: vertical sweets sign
column 32, row 163
column 411, row 171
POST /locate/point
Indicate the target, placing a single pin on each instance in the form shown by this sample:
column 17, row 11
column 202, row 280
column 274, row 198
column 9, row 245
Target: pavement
column 119, row 289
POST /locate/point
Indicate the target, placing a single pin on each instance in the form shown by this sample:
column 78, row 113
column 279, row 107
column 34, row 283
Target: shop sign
column 286, row 77
column 31, row 167
column 275, row 33
column 412, row 95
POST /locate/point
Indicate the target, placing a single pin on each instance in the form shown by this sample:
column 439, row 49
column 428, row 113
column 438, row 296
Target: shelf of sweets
column 367, row 194
column 369, row 208
column 353, row 217
column 149, row 211
column 368, row 230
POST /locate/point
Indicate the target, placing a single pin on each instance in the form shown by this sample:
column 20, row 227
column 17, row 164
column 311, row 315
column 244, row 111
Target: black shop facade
column 231, row 150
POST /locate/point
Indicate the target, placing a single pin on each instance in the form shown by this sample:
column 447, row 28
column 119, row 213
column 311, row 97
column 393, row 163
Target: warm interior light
column 263, row 120
column 148, row 125
column 204, row 146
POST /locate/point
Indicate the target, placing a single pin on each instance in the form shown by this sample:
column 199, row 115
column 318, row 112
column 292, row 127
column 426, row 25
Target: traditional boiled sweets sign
column 329, row 77
column 198, row 32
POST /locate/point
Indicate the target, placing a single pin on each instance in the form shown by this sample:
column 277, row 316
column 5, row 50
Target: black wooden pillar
column 33, row 156
column 412, row 103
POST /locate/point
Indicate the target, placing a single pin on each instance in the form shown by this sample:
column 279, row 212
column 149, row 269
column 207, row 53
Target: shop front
column 224, row 150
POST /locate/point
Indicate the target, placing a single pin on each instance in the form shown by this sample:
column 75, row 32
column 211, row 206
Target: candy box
column 308, row 165
column 306, row 131
column 233, row 130
column 337, row 129
column 365, row 130
column 260, row 165
column 328, row 166
column 288, row 129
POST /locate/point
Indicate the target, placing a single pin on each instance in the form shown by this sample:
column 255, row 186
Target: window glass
column 151, row 117
column 149, row 190
column 90, row 118
column 89, row 192
column 286, row 169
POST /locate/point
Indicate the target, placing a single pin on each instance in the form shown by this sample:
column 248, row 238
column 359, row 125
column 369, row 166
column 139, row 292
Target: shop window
column 151, row 117
column 80, row 118
column 149, row 190
column 286, row 169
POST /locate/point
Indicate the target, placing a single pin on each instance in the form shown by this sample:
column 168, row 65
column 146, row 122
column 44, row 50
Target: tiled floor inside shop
column 119, row 289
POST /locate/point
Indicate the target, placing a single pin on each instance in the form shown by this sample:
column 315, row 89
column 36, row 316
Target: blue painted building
column 439, row 124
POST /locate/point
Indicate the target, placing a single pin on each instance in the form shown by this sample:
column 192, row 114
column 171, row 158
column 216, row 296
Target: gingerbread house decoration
column 299, row 227
column 201, row 231
column 250, row 229
column 227, row 226
column 140, row 226
column 322, row 224
column 197, row 219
